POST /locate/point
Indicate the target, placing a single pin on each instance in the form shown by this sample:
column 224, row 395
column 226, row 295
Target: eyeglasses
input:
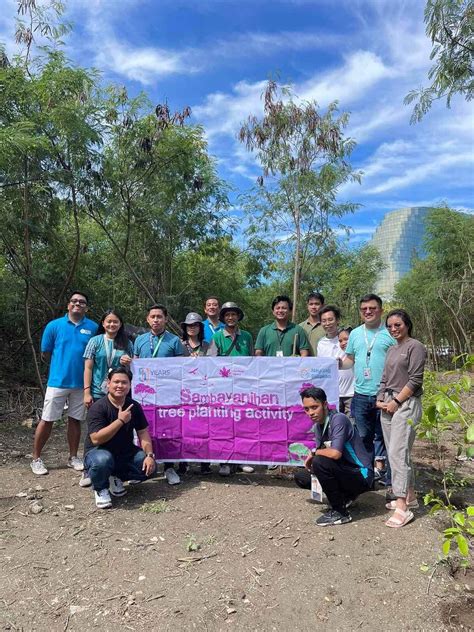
column 369, row 309
column 75, row 301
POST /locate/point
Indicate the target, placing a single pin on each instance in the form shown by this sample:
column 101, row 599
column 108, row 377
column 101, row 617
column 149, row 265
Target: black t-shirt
column 102, row 413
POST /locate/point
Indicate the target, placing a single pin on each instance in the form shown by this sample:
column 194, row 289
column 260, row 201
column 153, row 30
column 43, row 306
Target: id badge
column 279, row 354
column 367, row 373
column 103, row 387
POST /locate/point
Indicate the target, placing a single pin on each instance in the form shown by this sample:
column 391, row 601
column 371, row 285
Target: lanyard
column 326, row 424
column 154, row 350
column 110, row 351
column 371, row 346
column 212, row 328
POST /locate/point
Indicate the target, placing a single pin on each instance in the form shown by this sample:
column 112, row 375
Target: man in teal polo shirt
column 64, row 340
column 283, row 337
column 159, row 343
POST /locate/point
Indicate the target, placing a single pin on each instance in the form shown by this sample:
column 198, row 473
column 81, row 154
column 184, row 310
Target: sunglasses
column 76, row 301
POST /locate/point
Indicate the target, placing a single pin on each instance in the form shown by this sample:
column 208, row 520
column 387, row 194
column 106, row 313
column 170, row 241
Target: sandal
column 413, row 504
column 399, row 518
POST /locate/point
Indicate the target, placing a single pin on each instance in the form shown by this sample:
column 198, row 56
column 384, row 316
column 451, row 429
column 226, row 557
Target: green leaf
column 470, row 451
column 446, row 547
column 470, row 433
column 459, row 519
column 424, row 568
column 463, row 546
column 470, row 511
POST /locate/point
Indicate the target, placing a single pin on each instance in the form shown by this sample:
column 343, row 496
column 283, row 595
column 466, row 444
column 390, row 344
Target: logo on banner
column 307, row 373
column 147, row 375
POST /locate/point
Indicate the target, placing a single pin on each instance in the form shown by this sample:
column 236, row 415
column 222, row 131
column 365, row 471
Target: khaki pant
column 399, row 436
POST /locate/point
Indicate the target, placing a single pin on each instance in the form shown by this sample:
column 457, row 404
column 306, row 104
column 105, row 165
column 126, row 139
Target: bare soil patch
column 261, row 564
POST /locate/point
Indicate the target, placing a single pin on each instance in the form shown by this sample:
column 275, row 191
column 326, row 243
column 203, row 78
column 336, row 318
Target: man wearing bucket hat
column 193, row 335
column 231, row 341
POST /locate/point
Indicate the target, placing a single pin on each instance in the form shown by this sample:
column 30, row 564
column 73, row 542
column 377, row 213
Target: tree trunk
column 297, row 262
column 28, row 272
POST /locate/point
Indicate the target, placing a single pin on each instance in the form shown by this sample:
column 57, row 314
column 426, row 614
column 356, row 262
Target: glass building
column 399, row 238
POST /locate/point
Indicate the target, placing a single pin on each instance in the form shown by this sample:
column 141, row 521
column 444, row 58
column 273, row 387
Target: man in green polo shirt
column 231, row 340
column 312, row 325
column 282, row 337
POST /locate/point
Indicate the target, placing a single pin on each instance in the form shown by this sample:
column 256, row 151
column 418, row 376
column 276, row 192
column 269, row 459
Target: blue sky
column 215, row 56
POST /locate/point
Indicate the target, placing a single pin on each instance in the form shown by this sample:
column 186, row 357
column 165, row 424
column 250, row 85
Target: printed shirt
column 357, row 347
column 102, row 413
column 210, row 329
column 314, row 333
column 222, row 341
column 170, row 346
column 66, row 341
column 97, row 351
column 345, row 438
column 270, row 339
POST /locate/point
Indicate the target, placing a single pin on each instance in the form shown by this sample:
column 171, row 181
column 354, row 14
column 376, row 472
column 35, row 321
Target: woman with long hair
column 193, row 335
column 108, row 349
column 399, row 402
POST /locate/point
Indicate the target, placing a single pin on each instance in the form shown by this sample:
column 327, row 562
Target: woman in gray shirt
column 399, row 401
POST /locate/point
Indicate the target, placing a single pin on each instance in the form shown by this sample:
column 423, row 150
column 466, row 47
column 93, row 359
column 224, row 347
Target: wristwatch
column 151, row 454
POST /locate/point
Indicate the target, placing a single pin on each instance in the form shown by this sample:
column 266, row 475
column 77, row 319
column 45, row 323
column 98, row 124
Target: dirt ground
column 260, row 562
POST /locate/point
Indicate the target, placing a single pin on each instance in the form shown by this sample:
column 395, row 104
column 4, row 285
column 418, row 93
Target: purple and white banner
column 230, row 409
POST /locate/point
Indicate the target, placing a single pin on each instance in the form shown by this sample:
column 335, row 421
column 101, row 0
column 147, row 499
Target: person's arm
column 105, row 434
column 260, row 343
column 149, row 463
column 303, row 343
column 347, row 362
column 88, row 365
column 47, row 342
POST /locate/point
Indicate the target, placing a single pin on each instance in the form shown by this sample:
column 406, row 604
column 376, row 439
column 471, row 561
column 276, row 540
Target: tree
column 450, row 26
column 439, row 290
column 303, row 155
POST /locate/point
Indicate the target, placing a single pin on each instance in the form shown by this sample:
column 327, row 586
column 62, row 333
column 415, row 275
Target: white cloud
column 361, row 71
column 144, row 65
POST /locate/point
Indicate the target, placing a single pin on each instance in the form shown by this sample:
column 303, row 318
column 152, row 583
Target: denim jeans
column 367, row 419
column 100, row 464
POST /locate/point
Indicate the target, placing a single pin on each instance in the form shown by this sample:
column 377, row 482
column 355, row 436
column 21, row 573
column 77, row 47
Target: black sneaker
column 333, row 517
column 206, row 468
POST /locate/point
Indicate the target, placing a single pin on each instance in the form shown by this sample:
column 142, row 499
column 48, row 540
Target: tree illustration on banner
column 143, row 390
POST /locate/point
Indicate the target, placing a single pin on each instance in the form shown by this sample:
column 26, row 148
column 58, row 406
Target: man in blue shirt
column 366, row 351
column 340, row 461
column 212, row 324
column 159, row 343
column 64, row 340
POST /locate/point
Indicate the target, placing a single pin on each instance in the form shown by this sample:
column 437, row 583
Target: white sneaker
column 224, row 470
column 116, row 486
column 76, row 463
column 102, row 499
column 172, row 476
column 85, row 480
column 248, row 469
column 38, row 467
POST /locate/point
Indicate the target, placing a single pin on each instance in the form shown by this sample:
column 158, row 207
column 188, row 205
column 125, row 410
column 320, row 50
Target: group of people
column 370, row 436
